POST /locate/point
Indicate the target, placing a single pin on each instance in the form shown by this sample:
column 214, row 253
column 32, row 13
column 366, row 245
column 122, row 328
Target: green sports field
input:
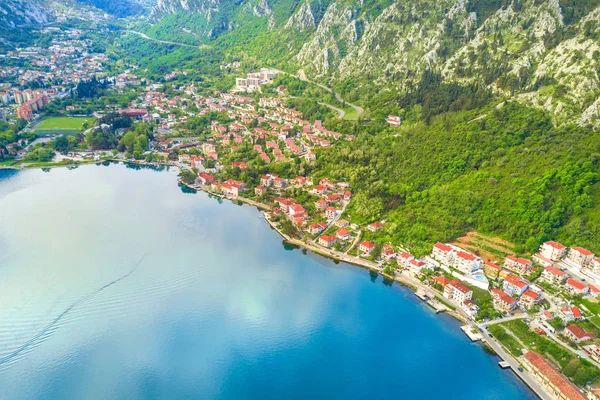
column 62, row 125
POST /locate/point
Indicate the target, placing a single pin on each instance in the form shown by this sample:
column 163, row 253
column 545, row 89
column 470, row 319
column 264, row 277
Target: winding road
column 144, row 36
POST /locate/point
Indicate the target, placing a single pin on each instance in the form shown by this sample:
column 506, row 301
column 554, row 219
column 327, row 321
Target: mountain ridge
column 540, row 53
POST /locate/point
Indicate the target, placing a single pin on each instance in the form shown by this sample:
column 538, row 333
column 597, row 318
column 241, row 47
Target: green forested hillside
column 505, row 171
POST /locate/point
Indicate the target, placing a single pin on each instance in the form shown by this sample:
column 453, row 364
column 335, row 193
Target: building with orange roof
column 580, row 256
column 558, row 386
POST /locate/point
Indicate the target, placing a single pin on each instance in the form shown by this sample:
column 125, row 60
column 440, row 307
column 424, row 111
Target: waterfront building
column 404, row 258
column 342, row 234
column 416, row 266
column 366, row 247
column 317, row 228
column 327, row 241
column 205, row 179
column 458, row 292
column 557, row 385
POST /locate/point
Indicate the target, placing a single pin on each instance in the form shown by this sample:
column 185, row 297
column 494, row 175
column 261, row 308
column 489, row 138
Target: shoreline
column 413, row 285
column 485, row 342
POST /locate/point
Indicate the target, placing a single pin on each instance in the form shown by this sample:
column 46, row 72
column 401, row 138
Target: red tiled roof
column 503, row 296
column 583, row 251
column 576, row 284
column 328, row 238
column 459, row 286
column 493, row 265
column 443, row 247
column 555, row 271
column 466, row 256
column 568, row 389
column 531, row 293
column 519, row 260
column 578, row 332
column 342, row 232
column 442, row 280
column 367, row 244
column 556, row 245
column 514, row 280
column 594, row 288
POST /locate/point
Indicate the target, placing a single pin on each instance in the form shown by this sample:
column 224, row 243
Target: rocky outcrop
column 15, row 13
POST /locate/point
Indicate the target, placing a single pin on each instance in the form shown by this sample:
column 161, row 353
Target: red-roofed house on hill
column 569, row 314
column 443, row 253
column 465, row 262
column 553, row 381
column 317, row 228
column 529, row 299
column 442, row 280
column 574, row 287
column 513, row 285
column 404, row 258
column 553, row 251
column 553, row 276
column 458, row 292
column 375, row 226
column 366, row 247
column 416, row 266
column 327, row 241
column 580, row 256
column 205, row 179
column 233, row 187
column 518, row 265
column 342, row 234
column 502, row 301
column 491, row 269
column 576, row 334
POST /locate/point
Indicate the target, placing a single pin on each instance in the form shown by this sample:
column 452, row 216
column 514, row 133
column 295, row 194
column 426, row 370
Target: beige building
column 580, row 256
column 553, row 251
column 458, row 292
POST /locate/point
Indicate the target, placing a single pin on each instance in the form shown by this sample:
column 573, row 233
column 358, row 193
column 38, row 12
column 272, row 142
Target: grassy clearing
column 63, row 125
column 351, row 114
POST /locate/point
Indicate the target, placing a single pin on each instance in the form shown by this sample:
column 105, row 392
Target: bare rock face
column 15, row 13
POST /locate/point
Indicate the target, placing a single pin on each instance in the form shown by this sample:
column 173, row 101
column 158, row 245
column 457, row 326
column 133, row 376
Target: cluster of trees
column 91, row 88
column 135, row 142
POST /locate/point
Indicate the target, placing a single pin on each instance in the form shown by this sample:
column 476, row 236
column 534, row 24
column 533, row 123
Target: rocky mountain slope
column 544, row 53
column 15, row 13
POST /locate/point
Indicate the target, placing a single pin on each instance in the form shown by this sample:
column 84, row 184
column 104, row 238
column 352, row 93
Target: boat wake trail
column 42, row 334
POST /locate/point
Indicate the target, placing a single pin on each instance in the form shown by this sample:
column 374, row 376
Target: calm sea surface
column 117, row 284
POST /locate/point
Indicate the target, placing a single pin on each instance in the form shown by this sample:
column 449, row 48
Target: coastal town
column 247, row 145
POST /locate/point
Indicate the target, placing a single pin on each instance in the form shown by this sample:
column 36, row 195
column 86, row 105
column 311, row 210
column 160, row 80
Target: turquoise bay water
column 116, row 284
